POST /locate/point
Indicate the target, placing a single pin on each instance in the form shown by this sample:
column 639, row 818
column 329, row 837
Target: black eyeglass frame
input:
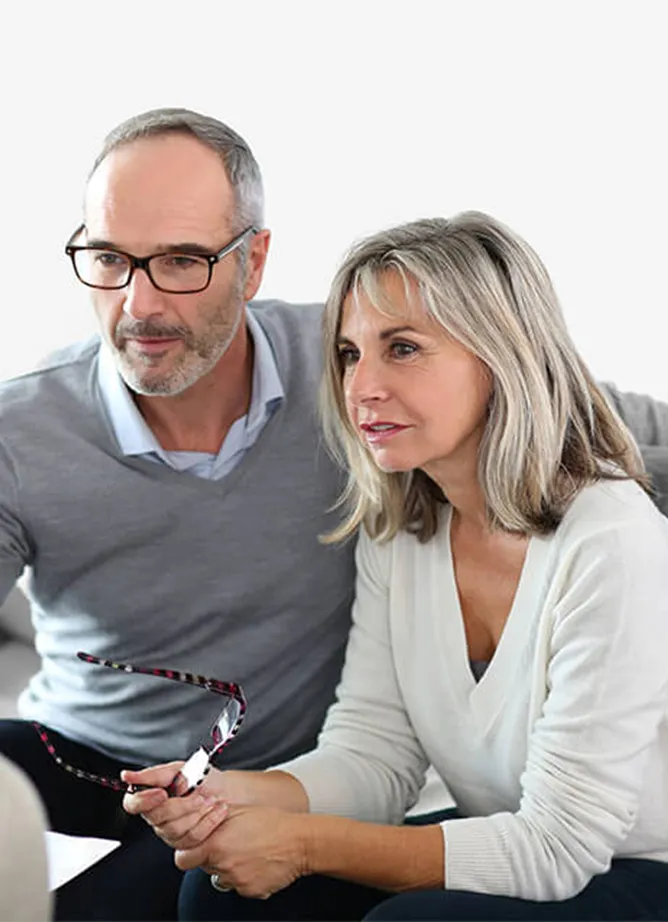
column 143, row 262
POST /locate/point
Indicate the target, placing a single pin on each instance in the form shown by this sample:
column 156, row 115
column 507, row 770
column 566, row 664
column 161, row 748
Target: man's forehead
column 165, row 186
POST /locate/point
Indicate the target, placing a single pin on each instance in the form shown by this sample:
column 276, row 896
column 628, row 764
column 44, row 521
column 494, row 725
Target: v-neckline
column 489, row 691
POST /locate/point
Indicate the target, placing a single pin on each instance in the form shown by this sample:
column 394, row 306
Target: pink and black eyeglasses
column 198, row 765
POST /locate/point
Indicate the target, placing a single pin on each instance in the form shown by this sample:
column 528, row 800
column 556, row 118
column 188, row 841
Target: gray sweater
column 132, row 561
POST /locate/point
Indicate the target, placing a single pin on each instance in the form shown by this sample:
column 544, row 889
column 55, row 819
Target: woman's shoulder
column 610, row 503
column 613, row 514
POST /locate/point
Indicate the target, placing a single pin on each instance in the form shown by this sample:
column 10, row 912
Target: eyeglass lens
column 226, row 724
column 169, row 271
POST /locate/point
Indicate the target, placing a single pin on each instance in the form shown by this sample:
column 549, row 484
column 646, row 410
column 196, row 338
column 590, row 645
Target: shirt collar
column 130, row 428
column 266, row 388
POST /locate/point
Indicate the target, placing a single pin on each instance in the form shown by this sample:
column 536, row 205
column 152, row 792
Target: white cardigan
column 558, row 757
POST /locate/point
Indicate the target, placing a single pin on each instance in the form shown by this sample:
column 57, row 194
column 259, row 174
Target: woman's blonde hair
column 549, row 431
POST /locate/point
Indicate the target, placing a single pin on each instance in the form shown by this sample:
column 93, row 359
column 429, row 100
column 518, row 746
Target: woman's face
column 416, row 397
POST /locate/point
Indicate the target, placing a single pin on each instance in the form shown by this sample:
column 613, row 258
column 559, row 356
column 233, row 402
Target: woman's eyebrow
column 393, row 331
column 384, row 334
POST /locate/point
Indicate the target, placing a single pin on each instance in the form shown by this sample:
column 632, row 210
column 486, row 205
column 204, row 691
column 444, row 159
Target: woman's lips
column 377, row 433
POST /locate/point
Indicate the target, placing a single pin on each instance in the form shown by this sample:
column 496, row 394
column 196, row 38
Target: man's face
column 147, row 197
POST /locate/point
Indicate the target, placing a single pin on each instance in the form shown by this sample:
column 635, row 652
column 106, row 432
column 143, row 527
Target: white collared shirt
column 136, row 438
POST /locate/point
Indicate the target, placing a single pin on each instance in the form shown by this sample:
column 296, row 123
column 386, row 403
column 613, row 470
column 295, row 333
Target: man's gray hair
column 240, row 165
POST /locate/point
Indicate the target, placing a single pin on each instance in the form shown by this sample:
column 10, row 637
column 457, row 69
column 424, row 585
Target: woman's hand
column 185, row 822
column 181, row 822
column 256, row 851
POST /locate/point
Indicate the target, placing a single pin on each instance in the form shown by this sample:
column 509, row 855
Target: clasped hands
column 252, row 848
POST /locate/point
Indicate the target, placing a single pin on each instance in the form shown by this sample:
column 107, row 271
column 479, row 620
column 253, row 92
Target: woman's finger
column 191, row 832
column 144, row 801
column 155, row 776
column 189, row 858
column 170, row 810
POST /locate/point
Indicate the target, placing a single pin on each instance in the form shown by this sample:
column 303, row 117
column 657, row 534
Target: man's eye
column 180, row 261
column 108, row 259
column 402, row 350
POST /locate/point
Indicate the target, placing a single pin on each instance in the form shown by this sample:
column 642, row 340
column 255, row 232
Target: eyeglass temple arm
column 229, row 689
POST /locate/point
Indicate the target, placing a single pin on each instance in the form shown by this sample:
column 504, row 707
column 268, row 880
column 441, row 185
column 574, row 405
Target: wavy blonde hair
column 549, row 431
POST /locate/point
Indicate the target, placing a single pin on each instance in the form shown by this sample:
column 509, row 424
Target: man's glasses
column 196, row 768
column 174, row 272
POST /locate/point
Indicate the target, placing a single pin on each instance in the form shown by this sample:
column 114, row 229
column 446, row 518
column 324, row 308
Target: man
column 165, row 485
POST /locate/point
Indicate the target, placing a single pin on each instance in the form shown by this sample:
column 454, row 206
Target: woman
column 510, row 625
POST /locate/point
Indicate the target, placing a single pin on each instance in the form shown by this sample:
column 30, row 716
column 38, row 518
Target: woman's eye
column 403, row 350
column 347, row 356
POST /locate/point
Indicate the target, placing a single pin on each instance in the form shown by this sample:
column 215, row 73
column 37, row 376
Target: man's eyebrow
column 196, row 249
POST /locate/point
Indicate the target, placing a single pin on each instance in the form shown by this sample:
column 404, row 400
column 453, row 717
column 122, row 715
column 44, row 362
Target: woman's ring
column 216, row 884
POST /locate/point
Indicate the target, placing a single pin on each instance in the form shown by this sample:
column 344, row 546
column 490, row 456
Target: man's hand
column 181, row 822
column 256, row 851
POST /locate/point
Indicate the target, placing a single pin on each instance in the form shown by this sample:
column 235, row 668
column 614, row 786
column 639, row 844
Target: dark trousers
column 137, row 881
column 632, row 889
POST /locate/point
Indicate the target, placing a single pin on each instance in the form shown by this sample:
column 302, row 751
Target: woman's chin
column 389, row 465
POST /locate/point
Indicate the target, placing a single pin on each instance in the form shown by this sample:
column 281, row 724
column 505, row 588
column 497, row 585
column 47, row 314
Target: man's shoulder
column 294, row 332
column 302, row 320
column 68, row 363
column 645, row 416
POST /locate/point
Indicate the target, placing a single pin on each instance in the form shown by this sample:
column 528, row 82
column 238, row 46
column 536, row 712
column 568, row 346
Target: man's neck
column 199, row 418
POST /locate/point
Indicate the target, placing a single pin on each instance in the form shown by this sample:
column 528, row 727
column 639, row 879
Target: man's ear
column 255, row 263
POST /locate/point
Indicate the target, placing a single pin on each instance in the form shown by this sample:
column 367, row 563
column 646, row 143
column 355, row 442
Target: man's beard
column 199, row 356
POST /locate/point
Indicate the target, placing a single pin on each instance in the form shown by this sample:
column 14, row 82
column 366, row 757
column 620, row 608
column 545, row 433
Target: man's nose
column 142, row 298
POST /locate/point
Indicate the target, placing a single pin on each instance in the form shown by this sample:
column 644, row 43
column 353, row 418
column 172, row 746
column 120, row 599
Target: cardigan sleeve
column 607, row 682
column 368, row 764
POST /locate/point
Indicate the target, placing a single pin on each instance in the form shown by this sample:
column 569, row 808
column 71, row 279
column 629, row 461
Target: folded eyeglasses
column 198, row 765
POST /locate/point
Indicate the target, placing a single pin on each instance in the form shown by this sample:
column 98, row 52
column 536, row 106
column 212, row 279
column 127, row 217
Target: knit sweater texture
column 134, row 562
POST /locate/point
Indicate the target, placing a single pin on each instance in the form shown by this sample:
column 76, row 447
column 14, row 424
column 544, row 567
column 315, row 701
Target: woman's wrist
column 305, row 827
column 395, row 858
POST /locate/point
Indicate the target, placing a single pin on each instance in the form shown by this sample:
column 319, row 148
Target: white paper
column 68, row 856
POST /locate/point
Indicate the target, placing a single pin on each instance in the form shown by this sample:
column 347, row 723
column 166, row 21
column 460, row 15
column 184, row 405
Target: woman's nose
column 365, row 382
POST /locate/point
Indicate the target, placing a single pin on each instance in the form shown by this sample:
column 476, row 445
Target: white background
column 549, row 115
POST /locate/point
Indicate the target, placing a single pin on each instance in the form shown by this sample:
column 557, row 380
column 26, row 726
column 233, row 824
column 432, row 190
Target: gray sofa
column 18, row 659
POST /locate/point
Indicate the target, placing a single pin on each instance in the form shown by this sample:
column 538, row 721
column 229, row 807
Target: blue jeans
column 631, row 889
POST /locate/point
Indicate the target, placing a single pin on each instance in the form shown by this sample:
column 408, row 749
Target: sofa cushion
column 18, row 662
column 656, row 462
column 15, row 619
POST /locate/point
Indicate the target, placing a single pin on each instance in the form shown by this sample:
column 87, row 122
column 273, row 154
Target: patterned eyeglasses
column 196, row 768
